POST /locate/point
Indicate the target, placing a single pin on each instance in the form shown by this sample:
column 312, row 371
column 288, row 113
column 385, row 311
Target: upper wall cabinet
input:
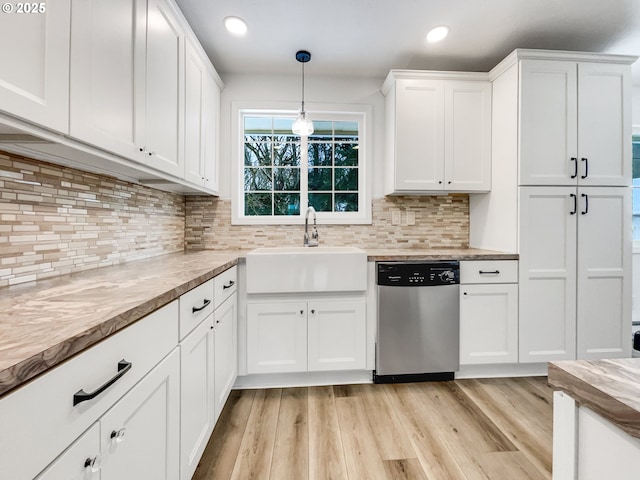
column 438, row 132
column 573, row 116
column 34, row 65
column 127, row 80
column 202, row 110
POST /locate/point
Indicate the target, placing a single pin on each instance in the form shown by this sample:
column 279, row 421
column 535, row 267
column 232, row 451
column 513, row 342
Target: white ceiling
column 370, row 37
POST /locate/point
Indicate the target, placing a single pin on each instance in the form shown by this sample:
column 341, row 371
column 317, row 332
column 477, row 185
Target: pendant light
column 302, row 126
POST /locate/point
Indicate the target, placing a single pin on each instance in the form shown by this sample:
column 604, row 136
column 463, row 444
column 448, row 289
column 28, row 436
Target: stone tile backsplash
column 56, row 220
column 440, row 222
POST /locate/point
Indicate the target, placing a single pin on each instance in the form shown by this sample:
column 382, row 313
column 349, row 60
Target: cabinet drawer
column 41, row 416
column 195, row 305
column 225, row 285
column 489, row 271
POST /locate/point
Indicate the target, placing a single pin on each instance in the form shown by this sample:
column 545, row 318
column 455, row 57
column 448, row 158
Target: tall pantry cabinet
column 561, row 142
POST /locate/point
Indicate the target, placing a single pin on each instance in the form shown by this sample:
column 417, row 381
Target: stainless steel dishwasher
column 418, row 321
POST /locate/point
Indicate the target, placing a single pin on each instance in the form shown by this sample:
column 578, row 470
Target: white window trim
column 315, row 112
column 635, row 130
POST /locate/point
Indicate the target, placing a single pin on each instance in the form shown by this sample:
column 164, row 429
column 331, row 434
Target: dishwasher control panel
column 417, row 274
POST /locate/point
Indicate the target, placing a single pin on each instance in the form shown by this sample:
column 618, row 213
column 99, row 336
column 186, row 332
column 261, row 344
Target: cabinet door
column 548, row 116
column 467, row 164
column 194, row 104
column 81, row 460
column 277, row 337
column 419, row 135
column 210, row 131
column 604, row 273
column 164, row 89
column 547, row 274
column 107, row 75
column 34, row 64
column 146, row 421
column 226, row 351
column 488, row 324
column 196, row 395
column 604, row 124
column 337, row 335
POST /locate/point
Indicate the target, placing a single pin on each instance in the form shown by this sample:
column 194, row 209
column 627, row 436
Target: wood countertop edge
column 588, row 395
column 22, row 372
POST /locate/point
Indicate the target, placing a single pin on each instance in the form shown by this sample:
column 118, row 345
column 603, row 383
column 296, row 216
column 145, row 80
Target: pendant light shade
column 302, row 125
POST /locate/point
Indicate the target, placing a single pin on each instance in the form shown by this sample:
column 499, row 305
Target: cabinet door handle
column 229, row 285
column 586, row 167
column 301, row 312
column 204, row 305
column 82, row 396
column 575, row 204
column 586, row 204
column 575, row 167
column 492, row 272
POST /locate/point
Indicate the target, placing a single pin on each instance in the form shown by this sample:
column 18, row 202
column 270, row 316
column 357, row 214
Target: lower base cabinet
column 136, row 439
column 300, row 336
column 225, row 352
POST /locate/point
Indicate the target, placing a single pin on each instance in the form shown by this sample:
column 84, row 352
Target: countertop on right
column 407, row 254
column 611, row 388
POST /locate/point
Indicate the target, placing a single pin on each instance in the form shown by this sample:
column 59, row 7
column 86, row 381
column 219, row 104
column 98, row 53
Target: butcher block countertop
column 611, row 388
column 46, row 322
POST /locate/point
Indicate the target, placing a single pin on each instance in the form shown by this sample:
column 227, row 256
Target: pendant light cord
column 303, row 87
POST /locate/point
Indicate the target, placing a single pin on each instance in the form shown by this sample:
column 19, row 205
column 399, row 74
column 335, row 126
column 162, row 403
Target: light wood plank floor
column 463, row 430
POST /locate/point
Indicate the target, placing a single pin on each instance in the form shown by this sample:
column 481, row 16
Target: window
column 281, row 174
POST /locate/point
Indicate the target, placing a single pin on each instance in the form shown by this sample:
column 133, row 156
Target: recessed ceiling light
column 438, row 33
column 235, row 26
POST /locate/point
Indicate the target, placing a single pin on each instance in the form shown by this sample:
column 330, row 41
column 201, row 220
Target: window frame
column 319, row 112
column 635, row 133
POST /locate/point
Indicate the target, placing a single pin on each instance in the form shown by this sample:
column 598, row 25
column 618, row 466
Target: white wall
column 285, row 92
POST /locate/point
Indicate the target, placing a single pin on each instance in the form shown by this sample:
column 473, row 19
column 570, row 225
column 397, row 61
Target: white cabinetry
column 575, row 273
column 127, row 80
column 208, row 354
column 560, row 199
column 438, row 129
column 48, row 414
column 202, row 110
column 573, row 117
column 34, row 64
column 300, row 336
column 488, row 312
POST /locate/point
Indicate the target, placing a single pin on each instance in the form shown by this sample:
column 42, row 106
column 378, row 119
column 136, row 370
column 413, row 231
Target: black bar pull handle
column 586, row 204
column 575, row 204
column 586, row 167
column 575, row 167
column 492, row 272
column 82, row 396
column 204, row 305
column 229, row 285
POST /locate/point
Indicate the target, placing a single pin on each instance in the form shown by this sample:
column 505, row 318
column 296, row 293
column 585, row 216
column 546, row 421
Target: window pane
column 346, row 202
column 286, row 179
column 319, row 155
column 257, row 204
column 257, row 125
column 321, row 131
column 346, row 129
column 286, row 154
column 346, row 179
column 346, row 155
column 286, row 204
column 257, row 154
column 282, row 127
column 320, row 201
column 257, row 179
column 319, row 179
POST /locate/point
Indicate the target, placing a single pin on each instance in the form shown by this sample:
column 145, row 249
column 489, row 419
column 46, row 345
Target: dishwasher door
column 418, row 332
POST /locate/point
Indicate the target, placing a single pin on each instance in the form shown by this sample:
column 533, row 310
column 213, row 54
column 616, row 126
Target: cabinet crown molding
column 431, row 75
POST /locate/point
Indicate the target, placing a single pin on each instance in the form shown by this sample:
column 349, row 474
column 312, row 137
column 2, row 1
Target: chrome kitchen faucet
column 314, row 241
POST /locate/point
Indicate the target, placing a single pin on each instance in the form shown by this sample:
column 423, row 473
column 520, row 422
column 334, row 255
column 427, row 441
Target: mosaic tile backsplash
column 56, row 220
column 440, row 222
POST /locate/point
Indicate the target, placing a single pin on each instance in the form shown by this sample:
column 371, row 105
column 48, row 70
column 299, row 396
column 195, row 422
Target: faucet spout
column 313, row 240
